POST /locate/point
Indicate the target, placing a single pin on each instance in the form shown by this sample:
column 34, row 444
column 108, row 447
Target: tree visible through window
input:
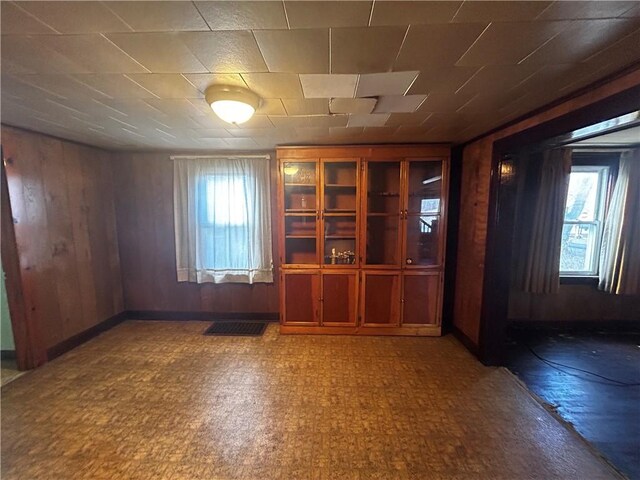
column 583, row 220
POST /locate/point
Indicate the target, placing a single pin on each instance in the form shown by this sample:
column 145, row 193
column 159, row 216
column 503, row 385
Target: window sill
column 579, row 280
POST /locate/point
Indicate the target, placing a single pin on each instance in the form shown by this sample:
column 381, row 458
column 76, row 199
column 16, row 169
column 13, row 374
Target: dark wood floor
column 605, row 413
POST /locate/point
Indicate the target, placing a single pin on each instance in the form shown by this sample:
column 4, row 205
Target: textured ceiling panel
column 132, row 75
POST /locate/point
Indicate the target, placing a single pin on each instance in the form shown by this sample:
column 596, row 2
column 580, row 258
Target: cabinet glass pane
column 381, row 299
column 425, row 187
column 300, row 239
column 339, row 299
column 340, row 191
column 300, row 187
column 382, row 239
column 301, row 298
column 383, row 187
column 420, row 294
column 422, row 240
column 340, row 240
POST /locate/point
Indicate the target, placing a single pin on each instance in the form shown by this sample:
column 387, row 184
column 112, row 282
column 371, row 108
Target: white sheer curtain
column 222, row 214
column 620, row 252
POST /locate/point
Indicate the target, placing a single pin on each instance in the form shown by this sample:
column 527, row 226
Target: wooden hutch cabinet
column 362, row 239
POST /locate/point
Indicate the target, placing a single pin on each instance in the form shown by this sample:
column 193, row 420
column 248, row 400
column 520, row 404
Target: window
column 223, row 221
column 222, row 215
column 428, row 206
column 583, row 220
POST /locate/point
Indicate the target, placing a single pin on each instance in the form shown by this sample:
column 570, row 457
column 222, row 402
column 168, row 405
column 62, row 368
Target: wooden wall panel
column 62, row 202
column 144, row 206
column 474, row 206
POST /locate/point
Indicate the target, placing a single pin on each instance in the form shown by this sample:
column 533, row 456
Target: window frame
column 590, row 161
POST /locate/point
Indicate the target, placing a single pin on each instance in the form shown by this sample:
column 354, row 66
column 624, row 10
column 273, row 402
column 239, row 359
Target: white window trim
column 604, row 172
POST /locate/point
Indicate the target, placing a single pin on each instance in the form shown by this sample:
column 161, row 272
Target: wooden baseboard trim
column 82, row 337
column 204, row 316
column 7, row 354
column 466, row 341
column 428, row 331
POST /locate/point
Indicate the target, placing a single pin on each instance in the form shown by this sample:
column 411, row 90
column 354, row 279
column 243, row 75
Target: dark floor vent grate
column 254, row 329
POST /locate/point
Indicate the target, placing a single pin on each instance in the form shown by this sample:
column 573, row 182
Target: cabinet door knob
column 409, row 261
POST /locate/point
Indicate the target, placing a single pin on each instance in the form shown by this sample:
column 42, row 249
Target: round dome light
column 232, row 104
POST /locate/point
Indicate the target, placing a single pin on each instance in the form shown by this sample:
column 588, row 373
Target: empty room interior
column 320, row 240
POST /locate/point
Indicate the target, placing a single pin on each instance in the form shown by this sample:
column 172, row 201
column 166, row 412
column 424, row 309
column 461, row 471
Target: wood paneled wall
column 62, row 203
column 144, row 206
column 474, row 206
column 583, row 303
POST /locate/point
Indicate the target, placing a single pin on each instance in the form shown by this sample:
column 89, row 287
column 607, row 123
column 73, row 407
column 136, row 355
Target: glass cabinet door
column 340, row 212
column 422, row 214
column 383, row 213
column 300, row 212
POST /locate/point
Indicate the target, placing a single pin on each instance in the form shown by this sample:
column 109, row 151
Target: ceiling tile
column 372, row 120
column 445, row 102
column 306, row 106
column 271, row 106
column 327, row 14
column 159, row 52
column 295, row 51
column 365, row 50
column 161, row 16
column 64, row 86
column 202, row 80
column 16, row 21
column 444, row 79
column 414, row 13
column 226, row 51
column 22, row 54
column 166, row 85
column 388, row 83
column 497, row 78
column 274, row 85
column 423, row 48
column 175, row 106
column 634, row 11
column 580, row 40
column 300, row 121
column 399, row 103
column 618, row 55
column 240, row 143
column 242, row 15
column 95, row 53
column 412, row 119
column 579, row 10
column 509, row 43
column 328, row 86
column 76, row 17
column 352, row 105
column 499, row 11
column 113, row 85
column 257, row 121
column 251, row 132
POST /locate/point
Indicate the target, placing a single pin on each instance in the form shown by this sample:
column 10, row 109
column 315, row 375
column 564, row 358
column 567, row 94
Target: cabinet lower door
column 339, row 299
column 420, row 298
column 380, row 299
column 301, row 298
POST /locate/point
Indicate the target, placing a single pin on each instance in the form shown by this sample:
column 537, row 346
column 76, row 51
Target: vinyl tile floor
column 158, row 400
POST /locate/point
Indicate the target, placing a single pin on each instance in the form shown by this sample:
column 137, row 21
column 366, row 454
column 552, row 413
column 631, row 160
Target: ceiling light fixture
column 232, row 104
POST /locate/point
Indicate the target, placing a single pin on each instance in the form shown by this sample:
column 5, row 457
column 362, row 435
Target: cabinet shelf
column 341, row 237
column 338, row 185
column 301, row 185
column 308, row 237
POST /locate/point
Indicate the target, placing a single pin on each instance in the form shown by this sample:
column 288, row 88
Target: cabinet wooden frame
column 422, row 279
